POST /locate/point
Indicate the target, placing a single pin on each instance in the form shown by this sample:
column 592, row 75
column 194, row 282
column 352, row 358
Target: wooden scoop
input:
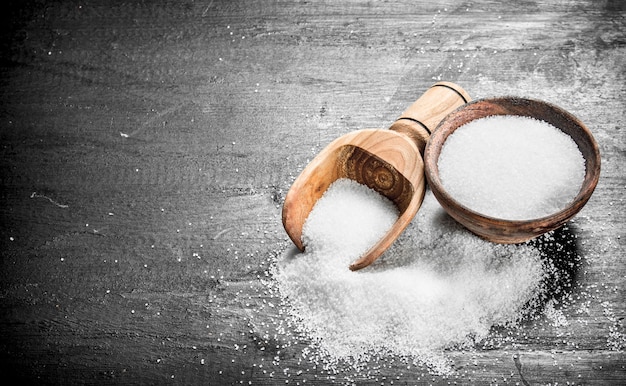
column 388, row 161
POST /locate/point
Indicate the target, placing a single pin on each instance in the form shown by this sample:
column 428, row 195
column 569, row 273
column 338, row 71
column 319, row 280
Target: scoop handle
column 423, row 116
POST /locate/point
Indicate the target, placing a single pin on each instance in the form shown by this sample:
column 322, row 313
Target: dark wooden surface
column 146, row 148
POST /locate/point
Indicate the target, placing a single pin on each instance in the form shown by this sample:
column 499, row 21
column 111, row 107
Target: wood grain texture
column 146, row 149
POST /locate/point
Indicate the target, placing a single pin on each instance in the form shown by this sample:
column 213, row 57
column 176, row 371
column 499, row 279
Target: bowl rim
column 448, row 125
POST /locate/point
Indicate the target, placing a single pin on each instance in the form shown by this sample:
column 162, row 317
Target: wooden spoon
column 388, row 161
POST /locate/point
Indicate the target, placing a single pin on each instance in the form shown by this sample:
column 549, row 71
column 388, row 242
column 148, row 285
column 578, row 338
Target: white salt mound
column 511, row 167
column 441, row 289
column 348, row 218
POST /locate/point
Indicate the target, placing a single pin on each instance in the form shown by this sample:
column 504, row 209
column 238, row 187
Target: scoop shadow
column 291, row 253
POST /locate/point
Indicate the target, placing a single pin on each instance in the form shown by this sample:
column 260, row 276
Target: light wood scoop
column 388, row 161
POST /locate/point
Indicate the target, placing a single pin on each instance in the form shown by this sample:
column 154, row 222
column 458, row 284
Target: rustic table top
column 146, row 149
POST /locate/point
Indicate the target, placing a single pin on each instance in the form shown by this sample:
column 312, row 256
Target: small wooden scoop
column 388, row 161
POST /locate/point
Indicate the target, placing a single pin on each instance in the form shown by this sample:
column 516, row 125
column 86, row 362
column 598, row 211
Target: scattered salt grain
column 511, row 167
column 442, row 289
column 554, row 315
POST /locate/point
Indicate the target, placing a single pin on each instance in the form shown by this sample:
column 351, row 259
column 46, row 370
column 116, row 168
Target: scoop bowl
column 387, row 161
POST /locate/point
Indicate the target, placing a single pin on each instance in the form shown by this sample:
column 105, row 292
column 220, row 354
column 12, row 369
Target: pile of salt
column 447, row 289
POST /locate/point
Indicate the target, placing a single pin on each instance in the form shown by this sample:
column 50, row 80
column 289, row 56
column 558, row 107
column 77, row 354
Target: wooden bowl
column 512, row 231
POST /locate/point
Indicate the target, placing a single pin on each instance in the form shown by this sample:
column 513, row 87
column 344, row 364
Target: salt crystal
column 511, row 167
